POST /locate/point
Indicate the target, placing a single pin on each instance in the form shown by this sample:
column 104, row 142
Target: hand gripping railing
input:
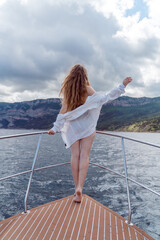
column 94, row 164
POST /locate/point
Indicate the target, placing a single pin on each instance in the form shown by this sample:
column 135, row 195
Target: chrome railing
column 33, row 169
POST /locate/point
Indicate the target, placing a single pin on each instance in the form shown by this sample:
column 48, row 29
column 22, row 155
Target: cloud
column 41, row 40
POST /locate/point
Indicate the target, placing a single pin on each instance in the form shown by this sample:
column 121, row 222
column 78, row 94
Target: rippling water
column 143, row 163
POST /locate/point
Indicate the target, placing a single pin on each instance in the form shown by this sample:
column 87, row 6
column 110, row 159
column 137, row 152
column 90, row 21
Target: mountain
column 124, row 113
column 36, row 114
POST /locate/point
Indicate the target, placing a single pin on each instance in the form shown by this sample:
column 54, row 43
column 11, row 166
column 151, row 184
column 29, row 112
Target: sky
column 40, row 40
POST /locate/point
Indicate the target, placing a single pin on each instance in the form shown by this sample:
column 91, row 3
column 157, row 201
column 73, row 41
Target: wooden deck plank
column 80, row 234
column 50, row 215
column 101, row 224
column 4, row 226
column 113, row 227
column 78, row 219
column 10, row 230
column 132, row 232
column 57, row 228
column 140, row 237
column 89, row 223
column 84, row 226
column 119, row 226
column 68, row 230
column 23, row 230
column 125, row 227
column 66, row 220
column 37, row 226
column 95, row 222
column 53, row 223
column 107, row 225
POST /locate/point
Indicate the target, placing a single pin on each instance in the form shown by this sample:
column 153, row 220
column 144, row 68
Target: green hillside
column 131, row 114
column 152, row 125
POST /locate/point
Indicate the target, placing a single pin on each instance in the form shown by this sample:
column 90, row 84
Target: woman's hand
column 127, row 80
column 51, row 132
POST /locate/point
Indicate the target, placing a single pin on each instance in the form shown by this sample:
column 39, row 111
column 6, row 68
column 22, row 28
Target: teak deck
column 65, row 219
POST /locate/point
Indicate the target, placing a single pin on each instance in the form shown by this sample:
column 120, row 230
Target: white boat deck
column 65, row 220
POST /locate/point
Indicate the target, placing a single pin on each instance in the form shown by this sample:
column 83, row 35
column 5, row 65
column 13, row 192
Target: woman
column 78, row 118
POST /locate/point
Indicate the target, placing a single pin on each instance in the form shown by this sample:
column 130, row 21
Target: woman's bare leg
column 75, row 156
column 85, row 148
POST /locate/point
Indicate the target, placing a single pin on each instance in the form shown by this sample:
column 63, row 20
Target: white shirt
column 81, row 122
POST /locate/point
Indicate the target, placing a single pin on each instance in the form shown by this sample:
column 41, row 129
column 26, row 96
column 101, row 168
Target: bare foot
column 74, row 198
column 78, row 195
column 77, row 198
column 79, row 191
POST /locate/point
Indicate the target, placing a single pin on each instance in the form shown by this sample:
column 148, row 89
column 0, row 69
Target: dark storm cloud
column 40, row 41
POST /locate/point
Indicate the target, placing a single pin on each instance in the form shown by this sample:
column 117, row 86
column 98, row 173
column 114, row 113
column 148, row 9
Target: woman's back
column 74, row 88
column 90, row 92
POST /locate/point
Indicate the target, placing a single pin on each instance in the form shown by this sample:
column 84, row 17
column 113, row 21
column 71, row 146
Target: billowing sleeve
column 58, row 124
column 113, row 94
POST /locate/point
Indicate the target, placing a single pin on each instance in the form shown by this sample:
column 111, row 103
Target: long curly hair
column 74, row 87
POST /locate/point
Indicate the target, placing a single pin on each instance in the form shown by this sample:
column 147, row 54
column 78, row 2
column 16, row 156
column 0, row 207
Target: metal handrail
column 101, row 132
column 46, row 167
column 35, row 169
column 23, row 135
column 131, row 139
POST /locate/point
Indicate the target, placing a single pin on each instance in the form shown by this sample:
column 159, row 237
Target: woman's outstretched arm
column 116, row 92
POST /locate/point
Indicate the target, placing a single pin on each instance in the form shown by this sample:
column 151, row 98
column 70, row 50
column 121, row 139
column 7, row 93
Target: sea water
column 143, row 163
